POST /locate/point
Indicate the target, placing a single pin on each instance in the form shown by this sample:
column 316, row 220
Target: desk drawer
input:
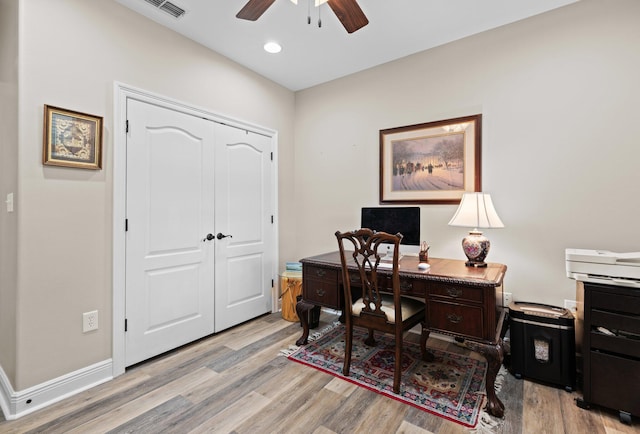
column 320, row 286
column 322, row 293
column 614, row 382
column 417, row 288
column 456, row 292
column 615, row 344
column 412, row 287
column 465, row 320
column 615, row 302
column 319, row 273
column 615, row 321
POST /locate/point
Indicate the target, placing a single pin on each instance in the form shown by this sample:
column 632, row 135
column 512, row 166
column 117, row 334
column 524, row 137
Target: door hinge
column 272, row 284
column 272, row 156
column 271, row 219
column 126, row 128
column 126, row 225
column 125, row 325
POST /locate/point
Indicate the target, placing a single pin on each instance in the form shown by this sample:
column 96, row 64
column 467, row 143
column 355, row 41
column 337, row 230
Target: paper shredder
column 543, row 343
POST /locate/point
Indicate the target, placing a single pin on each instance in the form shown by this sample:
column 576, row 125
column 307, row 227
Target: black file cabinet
column 611, row 349
column 543, row 343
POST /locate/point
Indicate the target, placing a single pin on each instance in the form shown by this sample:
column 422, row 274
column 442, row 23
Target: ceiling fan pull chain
column 309, row 11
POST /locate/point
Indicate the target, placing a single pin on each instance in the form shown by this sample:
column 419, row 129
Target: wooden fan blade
column 254, row 9
column 349, row 14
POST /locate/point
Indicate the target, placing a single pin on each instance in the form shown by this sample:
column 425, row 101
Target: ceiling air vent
column 168, row 7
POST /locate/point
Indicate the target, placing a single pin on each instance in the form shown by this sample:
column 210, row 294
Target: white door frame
column 121, row 93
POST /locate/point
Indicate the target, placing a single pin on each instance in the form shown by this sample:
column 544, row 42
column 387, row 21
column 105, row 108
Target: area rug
column 452, row 386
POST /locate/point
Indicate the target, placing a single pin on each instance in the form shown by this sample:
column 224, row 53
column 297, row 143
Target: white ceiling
column 312, row 55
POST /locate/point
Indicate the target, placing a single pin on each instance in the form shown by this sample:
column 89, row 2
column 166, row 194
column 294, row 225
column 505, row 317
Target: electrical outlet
column 571, row 305
column 89, row 321
column 507, row 298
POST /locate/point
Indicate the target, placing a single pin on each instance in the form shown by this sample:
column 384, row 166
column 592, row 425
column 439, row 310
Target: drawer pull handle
column 455, row 319
column 406, row 285
column 320, row 292
column 320, row 273
column 454, row 292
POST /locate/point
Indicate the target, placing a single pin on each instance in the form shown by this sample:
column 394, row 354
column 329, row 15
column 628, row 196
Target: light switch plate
column 9, row 202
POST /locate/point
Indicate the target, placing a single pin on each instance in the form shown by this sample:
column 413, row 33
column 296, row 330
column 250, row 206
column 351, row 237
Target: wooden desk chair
column 388, row 313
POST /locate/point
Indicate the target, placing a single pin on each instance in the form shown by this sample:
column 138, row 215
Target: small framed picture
column 431, row 163
column 72, row 139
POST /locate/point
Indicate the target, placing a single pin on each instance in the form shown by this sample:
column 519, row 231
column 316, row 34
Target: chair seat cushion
column 409, row 307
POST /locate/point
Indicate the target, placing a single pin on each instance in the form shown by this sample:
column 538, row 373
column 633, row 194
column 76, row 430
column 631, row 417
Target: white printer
column 603, row 266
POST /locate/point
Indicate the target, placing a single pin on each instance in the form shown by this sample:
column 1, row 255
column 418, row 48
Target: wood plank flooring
column 236, row 382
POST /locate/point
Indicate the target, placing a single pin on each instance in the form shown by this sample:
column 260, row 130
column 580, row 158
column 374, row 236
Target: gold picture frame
column 431, row 163
column 72, row 139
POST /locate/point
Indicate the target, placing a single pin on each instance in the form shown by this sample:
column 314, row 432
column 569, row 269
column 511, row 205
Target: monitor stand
column 388, row 257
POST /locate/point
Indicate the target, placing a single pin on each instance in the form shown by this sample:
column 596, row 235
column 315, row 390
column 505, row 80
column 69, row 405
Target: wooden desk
column 463, row 302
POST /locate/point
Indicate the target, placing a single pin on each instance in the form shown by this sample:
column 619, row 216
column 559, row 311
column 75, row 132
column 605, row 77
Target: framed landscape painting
column 72, row 139
column 434, row 162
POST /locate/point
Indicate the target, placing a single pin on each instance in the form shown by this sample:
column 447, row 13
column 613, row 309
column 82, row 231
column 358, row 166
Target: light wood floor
column 237, row 382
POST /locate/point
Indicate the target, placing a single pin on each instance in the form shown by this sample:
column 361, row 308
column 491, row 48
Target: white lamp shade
column 476, row 211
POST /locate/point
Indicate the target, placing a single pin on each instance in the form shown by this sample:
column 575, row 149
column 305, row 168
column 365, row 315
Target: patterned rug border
column 483, row 421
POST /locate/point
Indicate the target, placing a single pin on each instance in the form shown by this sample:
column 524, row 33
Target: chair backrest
column 366, row 256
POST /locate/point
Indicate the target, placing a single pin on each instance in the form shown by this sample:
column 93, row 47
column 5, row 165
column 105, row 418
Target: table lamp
column 476, row 211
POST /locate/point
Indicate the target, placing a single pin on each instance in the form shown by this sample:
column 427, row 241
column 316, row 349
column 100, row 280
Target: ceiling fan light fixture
column 317, row 2
column 348, row 12
column 272, row 47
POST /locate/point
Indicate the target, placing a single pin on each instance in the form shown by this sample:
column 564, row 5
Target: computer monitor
column 405, row 220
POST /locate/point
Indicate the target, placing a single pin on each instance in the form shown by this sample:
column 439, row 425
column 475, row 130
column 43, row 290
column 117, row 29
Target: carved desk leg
column 302, row 309
column 494, row 353
column 427, row 356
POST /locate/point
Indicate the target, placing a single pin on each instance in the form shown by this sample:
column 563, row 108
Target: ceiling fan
column 347, row 11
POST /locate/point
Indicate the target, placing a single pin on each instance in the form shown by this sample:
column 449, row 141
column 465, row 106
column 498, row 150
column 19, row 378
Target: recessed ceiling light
column 272, row 47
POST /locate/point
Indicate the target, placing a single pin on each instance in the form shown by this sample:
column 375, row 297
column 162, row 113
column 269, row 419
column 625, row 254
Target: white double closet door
column 200, row 243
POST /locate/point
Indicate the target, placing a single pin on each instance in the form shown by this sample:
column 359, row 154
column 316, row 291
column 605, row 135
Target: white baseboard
column 17, row 404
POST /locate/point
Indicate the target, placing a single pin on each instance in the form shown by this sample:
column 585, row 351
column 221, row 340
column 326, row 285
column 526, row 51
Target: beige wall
column 8, row 181
column 71, row 53
column 559, row 96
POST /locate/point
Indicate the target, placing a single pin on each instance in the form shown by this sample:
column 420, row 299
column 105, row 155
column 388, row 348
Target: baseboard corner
column 17, row 404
